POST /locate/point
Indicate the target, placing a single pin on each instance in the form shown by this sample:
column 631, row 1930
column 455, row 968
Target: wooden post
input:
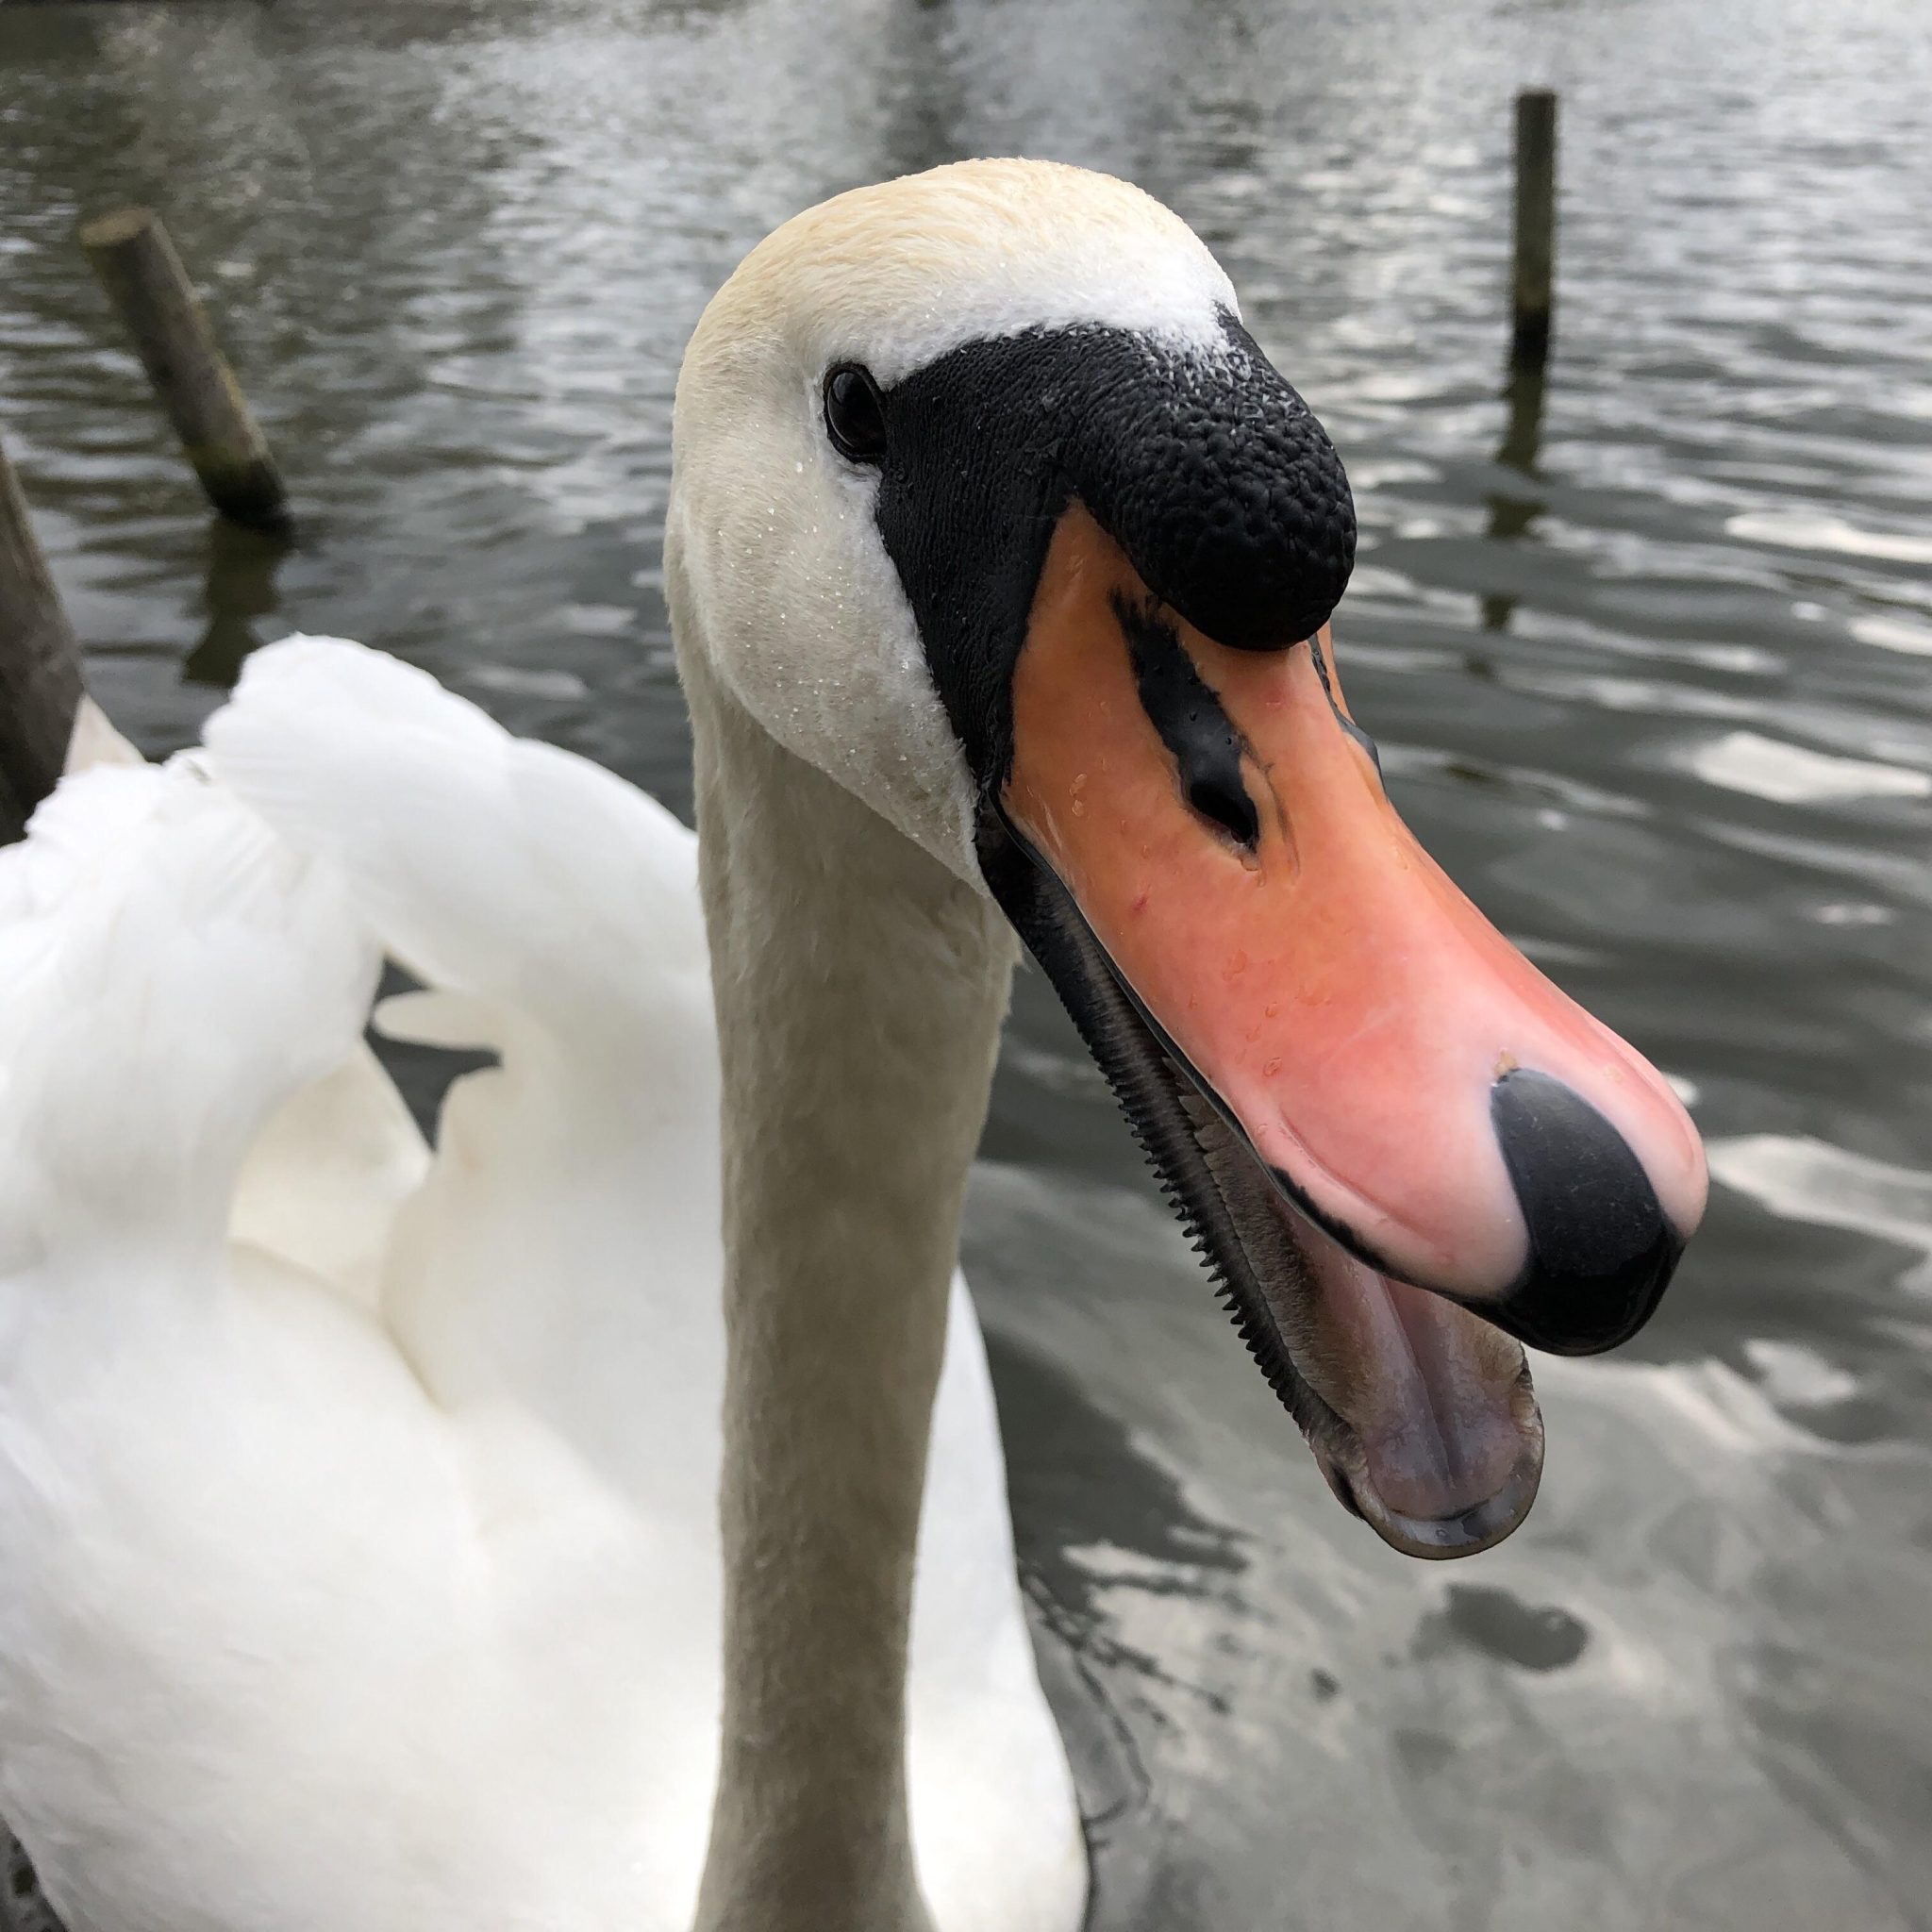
column 145, row 280
column 1536, row 224
column 40, row 687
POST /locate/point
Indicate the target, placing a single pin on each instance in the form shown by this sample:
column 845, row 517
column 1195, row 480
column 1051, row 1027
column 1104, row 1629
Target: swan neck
column 859, row 989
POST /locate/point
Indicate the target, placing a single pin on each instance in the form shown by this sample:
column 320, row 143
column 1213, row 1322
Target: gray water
column 1649, row 657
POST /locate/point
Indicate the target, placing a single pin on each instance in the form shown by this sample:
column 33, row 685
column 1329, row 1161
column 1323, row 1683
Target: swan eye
column 855, row 416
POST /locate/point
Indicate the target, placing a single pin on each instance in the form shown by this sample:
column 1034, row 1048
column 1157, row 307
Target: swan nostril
column 1187, row 714
column 1227, row 805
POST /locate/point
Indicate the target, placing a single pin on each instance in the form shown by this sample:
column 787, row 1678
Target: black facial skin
column 1207, row 470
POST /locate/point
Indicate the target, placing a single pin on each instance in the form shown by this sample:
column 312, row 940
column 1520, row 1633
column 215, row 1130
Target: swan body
column 598, row 1521
column 358, row 1503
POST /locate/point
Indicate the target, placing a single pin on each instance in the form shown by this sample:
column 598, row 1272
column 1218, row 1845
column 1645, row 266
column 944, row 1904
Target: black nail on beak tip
column 1601, row 1250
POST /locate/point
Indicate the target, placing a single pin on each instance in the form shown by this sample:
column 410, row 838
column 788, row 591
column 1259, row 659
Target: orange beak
column 1417, row 1087
column 1405, row 1071
column 1413, row 1085
column 1428, row 1110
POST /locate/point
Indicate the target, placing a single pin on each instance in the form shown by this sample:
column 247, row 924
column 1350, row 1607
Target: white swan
column 360, row 1564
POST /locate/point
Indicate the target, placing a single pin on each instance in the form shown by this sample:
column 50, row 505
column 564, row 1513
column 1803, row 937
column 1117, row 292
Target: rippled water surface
column 1649, row 657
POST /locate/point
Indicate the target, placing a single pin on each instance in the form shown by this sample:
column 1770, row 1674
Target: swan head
column 985, row 503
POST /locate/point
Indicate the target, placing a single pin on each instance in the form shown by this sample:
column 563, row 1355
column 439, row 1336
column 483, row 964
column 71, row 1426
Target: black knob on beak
column 1216, row 479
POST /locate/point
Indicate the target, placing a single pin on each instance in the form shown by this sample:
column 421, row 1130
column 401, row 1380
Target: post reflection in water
column 1515, row 505
column 238, row 592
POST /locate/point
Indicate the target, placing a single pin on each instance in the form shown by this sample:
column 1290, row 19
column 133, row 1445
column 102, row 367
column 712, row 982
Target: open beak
column 1400, row 1144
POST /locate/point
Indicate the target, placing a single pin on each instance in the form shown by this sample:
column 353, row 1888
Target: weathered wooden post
column 145, row 280
column 1531, row 284
column 40, row 687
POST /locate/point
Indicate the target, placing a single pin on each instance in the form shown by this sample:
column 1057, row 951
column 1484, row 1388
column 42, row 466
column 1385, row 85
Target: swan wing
column 284, row 1639
column 159, row 944
column 512, row 872
column 564, row 1250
